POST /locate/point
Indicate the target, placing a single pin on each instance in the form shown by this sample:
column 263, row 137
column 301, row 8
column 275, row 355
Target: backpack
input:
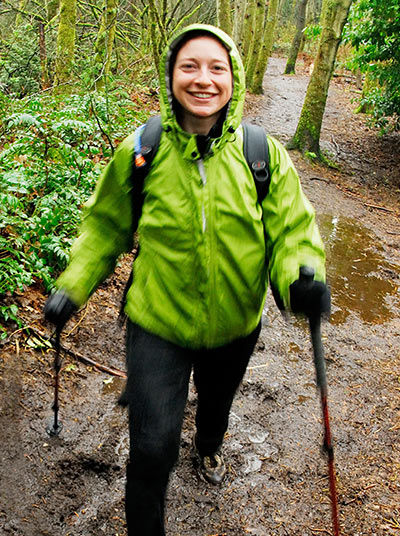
column 255, row 149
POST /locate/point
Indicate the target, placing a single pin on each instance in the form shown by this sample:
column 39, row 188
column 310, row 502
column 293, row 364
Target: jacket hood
column 235, row 106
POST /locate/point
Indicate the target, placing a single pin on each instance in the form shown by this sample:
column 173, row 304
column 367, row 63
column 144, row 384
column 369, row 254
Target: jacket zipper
column 209, row 226
column 202, row 171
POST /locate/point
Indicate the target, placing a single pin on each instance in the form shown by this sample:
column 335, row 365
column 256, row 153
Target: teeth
column 202, row 95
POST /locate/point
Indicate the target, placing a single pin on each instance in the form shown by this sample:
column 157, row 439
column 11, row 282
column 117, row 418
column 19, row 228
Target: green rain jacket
column 201, row 277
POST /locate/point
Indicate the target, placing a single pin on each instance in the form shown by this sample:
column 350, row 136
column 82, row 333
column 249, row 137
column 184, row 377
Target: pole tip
column 54, row 429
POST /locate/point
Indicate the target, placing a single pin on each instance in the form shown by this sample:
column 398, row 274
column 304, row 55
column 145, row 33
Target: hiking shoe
column 211, row 468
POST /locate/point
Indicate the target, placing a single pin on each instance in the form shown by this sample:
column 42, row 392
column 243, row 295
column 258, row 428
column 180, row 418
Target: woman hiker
column 207, row 251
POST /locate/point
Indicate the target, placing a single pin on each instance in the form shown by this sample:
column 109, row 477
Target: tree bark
column 266, row 47
column 258, row 29
column 105, row 41
column 307, row 135
column 248, row 30
column 153, row 35
column 295, row 46
column 43, row 57
column 65, row 45
column 238, row 23
column 224, row 18
column 158, row 32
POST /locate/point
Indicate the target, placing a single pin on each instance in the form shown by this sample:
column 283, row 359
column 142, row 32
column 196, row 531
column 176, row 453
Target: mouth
column 204, row 96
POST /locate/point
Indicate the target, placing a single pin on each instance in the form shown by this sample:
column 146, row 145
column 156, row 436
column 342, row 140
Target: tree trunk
column 65, row 45
column 224, row 18
column 300, row 24
column 238, row 23
column 43, row 58
column 254, row 52
column 158, row 32
column 266, row 47
column 105, row 41
column 153, row 35
column 248, row 30
column 307, row 135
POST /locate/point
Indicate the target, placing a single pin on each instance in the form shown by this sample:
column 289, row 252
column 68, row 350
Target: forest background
column 77, row 77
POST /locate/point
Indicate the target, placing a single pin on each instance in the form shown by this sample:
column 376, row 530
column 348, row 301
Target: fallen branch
column 83, row 359
column 320, row 179
column 81, row 319
column 378, row 207
column 359, row 494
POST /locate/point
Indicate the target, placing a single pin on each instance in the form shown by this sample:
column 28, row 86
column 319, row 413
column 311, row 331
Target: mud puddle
column 363, row 281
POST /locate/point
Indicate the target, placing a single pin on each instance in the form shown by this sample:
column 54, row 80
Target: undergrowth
column 51, row 154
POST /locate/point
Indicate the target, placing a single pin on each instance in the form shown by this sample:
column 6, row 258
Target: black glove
column 59, row 308
column 309, row 297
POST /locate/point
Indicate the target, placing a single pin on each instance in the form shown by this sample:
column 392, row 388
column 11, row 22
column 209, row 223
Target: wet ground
column 277, row 484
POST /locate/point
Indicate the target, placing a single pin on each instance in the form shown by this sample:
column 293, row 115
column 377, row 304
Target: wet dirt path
column 277, row 483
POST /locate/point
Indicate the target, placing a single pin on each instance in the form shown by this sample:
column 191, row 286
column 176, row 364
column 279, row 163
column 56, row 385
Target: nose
column 203, row 77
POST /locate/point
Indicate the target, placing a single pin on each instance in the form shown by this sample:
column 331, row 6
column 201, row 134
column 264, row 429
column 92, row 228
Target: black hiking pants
column 156, row 392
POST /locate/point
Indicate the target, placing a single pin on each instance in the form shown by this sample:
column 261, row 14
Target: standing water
column 362, row 281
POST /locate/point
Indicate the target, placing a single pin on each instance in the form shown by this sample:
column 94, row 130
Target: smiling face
column 201, row 83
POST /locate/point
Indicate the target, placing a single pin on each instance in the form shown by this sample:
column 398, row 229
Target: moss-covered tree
column 257, row 31
column 224, row 17
column 65, row 47
column 238, row 22
column 45, row 83
column 295, row 46
column 105, row 41
column 248, row 30
column 307, row 135
column 264, row 52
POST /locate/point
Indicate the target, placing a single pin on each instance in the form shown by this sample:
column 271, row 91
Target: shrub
column 53, row 151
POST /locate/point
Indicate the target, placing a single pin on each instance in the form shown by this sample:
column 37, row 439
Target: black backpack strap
column 146, row 146
column 150, row 138
column 256, row 152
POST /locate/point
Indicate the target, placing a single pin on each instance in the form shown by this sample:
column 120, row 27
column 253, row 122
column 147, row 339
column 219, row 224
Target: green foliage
column 374, row 31
column 312, row 32
column 19, row 63
column 8, row 312
column 311, row 156
column 53, row 150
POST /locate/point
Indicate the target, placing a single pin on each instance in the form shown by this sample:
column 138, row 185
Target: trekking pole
column 307, row 275
column 54, row 428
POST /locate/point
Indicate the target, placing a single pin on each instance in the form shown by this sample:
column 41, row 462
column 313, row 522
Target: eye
column 187, row 66
column 219, row 68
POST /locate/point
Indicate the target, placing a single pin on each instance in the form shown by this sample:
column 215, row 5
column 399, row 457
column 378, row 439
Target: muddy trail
column 73, row 485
